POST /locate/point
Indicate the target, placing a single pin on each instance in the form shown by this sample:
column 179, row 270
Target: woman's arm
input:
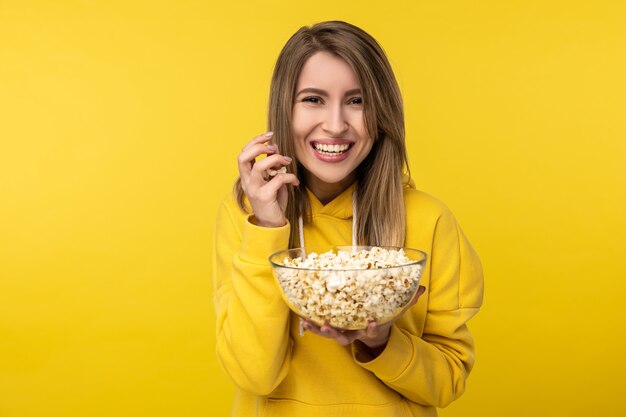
column 432, row 368
column 253, row 343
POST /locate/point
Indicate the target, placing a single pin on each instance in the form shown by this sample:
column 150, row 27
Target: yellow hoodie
column 277, row 372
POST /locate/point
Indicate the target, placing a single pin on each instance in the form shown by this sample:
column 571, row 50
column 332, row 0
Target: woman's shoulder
column 427, row 216
column 230, row 205
column 416, row 200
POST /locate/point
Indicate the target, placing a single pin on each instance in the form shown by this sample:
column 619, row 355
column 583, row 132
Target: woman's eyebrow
column 324, row 93
column 313, row 91
column 353, row 91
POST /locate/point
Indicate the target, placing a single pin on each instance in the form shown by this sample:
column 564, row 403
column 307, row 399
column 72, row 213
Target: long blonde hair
column 380, row 202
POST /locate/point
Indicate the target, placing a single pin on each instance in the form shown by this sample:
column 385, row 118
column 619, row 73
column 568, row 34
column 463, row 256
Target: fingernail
column 268, row 134
column 288, row 159
column 273, row 148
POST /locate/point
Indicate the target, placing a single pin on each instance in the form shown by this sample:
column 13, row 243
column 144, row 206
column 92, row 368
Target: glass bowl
column 345, row 296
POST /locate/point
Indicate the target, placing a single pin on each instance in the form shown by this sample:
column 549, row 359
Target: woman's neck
column 326, row 192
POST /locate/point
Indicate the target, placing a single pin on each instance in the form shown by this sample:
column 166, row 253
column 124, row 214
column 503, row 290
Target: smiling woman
column 363, row 66
column 335, row 172
column 329, row 131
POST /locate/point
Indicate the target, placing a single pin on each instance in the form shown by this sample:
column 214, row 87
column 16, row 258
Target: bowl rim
column 335, row 248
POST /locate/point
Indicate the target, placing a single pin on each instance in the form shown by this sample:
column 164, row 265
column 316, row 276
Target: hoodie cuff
column 258, row 243
column 392, row 361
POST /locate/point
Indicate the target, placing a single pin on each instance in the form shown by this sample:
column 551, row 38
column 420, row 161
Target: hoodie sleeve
column 432, row 369
column 253, row 343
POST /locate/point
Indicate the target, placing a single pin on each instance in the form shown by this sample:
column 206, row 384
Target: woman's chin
column 330, row 180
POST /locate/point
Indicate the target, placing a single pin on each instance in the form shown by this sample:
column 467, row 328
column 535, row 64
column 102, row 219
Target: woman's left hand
column 375, row 336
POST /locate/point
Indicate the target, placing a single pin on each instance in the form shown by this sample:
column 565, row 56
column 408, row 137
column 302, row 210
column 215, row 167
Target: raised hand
column 267, row 194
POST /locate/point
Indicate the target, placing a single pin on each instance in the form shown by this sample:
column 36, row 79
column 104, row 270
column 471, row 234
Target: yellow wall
column 120, row 123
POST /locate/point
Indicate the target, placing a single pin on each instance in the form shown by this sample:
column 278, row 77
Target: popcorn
column 349, row 289
column 273, row 172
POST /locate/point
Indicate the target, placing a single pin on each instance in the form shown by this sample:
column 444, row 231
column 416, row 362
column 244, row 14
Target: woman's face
column 329, row 130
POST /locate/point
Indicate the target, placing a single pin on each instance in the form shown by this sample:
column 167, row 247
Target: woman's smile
column 330, row 136
column 331, row 150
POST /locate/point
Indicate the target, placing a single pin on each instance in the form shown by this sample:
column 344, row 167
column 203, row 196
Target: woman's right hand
column 267, row 195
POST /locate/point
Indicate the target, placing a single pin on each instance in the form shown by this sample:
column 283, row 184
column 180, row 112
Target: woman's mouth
column 331, row 151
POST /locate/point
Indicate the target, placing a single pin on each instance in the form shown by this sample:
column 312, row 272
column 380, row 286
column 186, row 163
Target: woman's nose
column 335, row 122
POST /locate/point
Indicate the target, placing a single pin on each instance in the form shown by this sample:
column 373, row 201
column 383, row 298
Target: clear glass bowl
column 348, row 298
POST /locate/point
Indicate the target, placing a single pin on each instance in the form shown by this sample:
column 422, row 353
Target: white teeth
column 331, row 149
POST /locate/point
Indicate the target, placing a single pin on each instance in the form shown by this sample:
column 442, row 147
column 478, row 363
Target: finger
column 270, row 162
column 333, row 333
column 372, row 329
column 301, row 327
column 252, row 152
column 311, row 327
column 421, row 290
column 272, row 186
column 246, row 160
column 258, row 139
column 326, row 331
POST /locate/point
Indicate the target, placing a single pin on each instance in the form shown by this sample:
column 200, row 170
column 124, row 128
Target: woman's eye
column 356, row 100
column 314, row 100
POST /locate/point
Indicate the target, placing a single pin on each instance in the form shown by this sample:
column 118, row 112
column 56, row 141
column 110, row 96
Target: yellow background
column 120, row 122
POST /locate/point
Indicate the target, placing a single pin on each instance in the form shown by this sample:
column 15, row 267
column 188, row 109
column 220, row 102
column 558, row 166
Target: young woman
column 337, row 125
